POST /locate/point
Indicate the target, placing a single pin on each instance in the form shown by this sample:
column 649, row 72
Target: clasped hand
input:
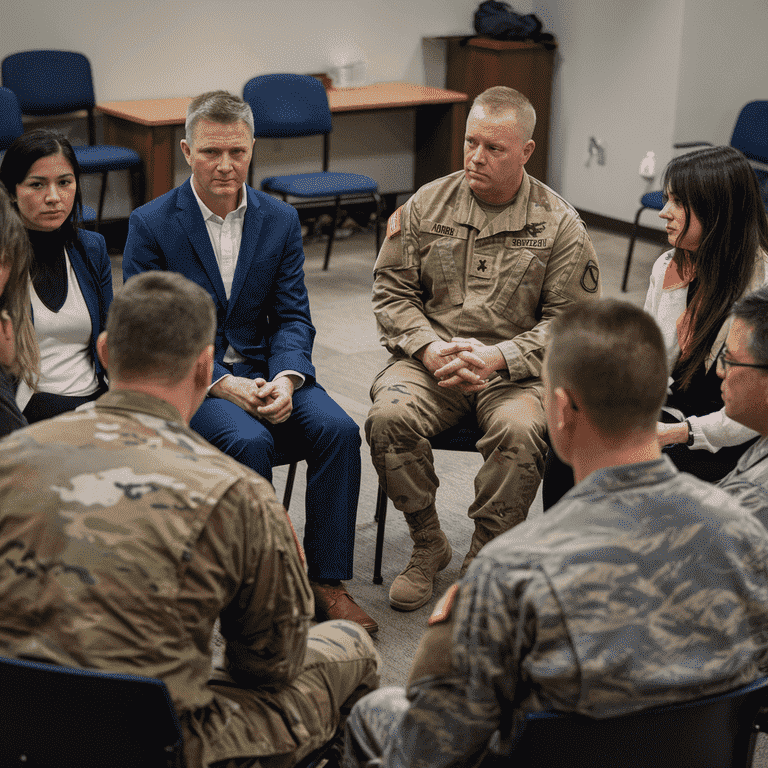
column 463, row 364
column 268, row 400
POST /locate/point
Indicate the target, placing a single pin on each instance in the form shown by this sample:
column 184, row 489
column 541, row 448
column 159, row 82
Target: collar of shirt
column 512, row 218
column 225, row 236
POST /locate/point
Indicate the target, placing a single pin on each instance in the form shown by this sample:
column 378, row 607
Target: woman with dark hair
column 718, row 228
column 19, row 355
column 71, row 273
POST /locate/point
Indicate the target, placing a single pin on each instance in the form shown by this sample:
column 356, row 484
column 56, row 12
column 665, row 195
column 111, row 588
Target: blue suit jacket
column 267, row 316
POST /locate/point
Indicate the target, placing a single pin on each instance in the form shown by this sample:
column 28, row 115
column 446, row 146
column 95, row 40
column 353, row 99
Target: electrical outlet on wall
column 596, row 149
column 648, row 166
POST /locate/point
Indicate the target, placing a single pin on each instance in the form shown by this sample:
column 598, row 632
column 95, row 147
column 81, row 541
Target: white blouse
column 64, row 337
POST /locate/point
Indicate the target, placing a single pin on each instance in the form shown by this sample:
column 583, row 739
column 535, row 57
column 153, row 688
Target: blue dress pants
column 321, row 433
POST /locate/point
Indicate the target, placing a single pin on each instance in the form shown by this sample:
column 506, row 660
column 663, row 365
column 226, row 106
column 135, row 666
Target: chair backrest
column 49, row 82
column 750, row 135
column 11, row 126
column 63, row 716
column 714, row 732
column 288, row 105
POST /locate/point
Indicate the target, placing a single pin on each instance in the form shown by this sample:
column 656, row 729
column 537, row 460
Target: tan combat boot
column 480, row 538
column 431, row 553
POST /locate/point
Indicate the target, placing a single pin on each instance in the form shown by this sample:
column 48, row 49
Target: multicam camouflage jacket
column 642, row 586
column 123, row 537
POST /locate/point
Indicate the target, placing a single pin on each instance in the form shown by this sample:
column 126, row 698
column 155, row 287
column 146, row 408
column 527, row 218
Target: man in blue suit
column 264, row 406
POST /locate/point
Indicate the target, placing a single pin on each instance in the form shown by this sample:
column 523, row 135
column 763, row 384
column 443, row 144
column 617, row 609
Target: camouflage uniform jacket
column 443, row 272
column 124, row 536
column 642, row 586
column 748, row 481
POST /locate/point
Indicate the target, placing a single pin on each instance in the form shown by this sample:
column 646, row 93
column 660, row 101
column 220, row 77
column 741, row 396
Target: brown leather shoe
column 334, row 602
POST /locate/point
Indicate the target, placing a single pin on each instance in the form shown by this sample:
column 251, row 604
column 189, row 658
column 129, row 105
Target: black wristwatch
column 689, row 441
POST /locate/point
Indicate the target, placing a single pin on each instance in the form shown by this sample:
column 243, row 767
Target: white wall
column 637, row 75
column 642, row 76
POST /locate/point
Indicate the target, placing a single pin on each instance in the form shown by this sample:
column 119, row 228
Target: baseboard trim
column 619, row 227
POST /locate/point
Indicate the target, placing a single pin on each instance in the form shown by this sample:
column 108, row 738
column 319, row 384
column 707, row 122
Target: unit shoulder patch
column 393, row 224
column 444, row 606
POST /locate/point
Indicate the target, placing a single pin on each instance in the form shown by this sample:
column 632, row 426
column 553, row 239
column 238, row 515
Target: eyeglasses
column 724, row 364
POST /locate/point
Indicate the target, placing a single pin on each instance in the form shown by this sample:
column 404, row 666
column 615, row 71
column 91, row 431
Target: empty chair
column 62, row 716
column 50, row 82
column 750, row 137
column 287, row 106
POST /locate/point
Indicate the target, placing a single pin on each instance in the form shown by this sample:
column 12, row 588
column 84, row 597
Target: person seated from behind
column 121, row 559
column 579, row 610
column 19, row 353
column 743, row 367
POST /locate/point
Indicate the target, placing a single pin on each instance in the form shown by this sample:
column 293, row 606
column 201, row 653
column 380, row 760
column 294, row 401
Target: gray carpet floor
column 347, row 356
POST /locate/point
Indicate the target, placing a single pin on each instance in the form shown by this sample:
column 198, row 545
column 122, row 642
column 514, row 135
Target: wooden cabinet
column 477, row 63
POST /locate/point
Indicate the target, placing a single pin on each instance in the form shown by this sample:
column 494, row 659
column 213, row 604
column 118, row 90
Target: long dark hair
column 15, row 252
column 720, row 187
column 25, row 152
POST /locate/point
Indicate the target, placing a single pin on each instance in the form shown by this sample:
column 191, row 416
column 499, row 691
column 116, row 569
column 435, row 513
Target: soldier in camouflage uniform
column 743, row 367
column 474, row 268
column 643, row 586
column 125, row 536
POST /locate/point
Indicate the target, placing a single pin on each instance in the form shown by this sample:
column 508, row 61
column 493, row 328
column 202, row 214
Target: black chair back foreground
column 62, row 716
column 714, row 732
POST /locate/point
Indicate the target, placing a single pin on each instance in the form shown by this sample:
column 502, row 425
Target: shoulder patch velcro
column 393, row 224
column 444, row 606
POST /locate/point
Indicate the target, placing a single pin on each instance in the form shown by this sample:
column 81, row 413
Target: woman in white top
column 71, row 273
column 717, row 225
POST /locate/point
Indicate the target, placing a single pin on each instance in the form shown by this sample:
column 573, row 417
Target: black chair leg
column 289, row 484
column 630, row 250
column 332, row 233
column 380, row 516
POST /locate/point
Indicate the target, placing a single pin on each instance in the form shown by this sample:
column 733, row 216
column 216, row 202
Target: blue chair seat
column 289, row 106
column 104, row 158
column 654, row 200
column 53, row 82
column 324, row 184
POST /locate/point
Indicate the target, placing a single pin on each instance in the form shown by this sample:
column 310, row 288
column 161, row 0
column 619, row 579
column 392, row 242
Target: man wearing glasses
column 743, row 366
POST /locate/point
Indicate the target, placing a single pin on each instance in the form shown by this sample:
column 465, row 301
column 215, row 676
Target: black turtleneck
column 49, row 271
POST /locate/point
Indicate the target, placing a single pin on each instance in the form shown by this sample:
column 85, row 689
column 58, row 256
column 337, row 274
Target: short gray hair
column 158, row 324
column 218, row 107
column 753, row 310
column 500, row 98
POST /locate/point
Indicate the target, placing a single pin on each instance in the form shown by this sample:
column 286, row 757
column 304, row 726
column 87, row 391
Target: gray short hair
column 500, row 98
column 753, row 310
column 218, row 107
column 157, row 326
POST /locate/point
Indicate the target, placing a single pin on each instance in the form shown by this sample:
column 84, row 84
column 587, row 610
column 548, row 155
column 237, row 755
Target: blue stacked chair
column 287, row 106
column 50, row 82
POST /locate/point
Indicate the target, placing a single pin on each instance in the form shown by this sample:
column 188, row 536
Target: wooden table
column 149, row 127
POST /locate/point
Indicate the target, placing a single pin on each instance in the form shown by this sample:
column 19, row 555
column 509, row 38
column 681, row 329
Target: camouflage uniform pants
column 408, row 407
column 340, row 666
column 370, row 725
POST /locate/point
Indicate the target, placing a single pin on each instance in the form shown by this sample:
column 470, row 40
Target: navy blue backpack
column 498, row 20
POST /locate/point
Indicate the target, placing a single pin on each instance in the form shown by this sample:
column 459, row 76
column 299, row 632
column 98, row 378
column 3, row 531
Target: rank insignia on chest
column 483, row 266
